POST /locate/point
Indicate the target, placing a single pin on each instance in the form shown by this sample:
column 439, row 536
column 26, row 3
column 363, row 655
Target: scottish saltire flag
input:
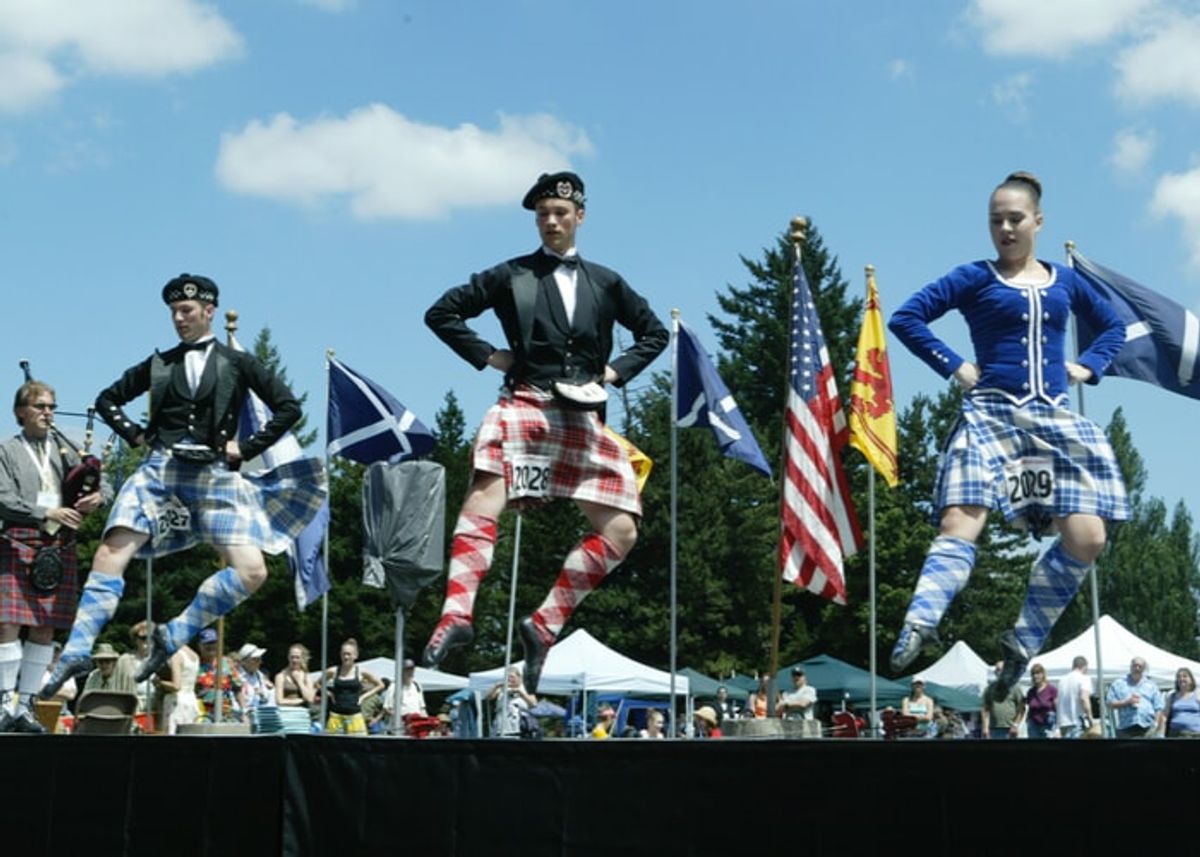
column 872, row 405
column 367, row 424
column 304, row 557
column 820, row 527
column 703, row 400
column 1162, row 339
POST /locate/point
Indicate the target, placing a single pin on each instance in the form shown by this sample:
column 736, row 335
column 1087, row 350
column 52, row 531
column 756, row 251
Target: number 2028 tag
column 530, row 477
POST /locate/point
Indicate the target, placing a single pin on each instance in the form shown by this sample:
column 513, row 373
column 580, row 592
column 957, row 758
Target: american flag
column 820, row 528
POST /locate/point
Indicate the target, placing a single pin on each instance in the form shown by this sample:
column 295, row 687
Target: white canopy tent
column 1118, row 646
column 960, row 668
column 581, row 662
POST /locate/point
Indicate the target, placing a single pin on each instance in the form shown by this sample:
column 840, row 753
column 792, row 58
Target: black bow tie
column 195, row 346
column 569, row 261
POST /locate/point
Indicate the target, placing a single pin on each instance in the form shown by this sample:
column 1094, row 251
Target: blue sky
column 335, row 166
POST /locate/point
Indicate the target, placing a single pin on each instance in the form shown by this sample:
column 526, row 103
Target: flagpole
column 872, row 612
column 798, row 233
column 671, row 730
column 329, row 353
column 1095, row 573
column 512, row 613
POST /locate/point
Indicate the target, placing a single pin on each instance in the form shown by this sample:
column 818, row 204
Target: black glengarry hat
column 556, row 186
column 190, row 287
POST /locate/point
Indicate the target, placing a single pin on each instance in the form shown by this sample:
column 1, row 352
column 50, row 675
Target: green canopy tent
column 705, row 687
column 837, row 681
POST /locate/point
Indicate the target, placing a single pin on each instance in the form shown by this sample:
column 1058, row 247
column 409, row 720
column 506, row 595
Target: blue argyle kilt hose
column 1032, row 463
column 180, row 505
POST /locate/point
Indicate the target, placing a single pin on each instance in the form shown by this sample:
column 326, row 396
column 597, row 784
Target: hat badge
column 564, row 189
column 189, row 290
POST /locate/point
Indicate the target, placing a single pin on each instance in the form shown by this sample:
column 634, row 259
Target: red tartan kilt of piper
column 20, row 603
column 585, row 462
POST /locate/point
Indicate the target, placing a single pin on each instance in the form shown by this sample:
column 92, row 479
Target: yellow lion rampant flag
column 641, row 463
column 872, row 405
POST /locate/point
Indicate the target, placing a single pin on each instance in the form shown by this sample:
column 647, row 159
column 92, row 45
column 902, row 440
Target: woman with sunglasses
column 1180, row 717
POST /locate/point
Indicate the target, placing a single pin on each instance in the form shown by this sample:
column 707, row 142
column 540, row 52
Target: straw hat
column 708, row 714
column 104, row 652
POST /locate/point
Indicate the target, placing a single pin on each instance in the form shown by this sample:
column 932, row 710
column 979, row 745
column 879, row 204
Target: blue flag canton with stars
column 808, row 354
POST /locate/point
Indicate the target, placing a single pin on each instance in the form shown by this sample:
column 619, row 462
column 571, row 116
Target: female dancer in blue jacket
column 1016, row 448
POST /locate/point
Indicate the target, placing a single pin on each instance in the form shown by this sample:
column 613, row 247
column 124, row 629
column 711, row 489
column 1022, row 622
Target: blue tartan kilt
column 180, row 505
column 1033, row 463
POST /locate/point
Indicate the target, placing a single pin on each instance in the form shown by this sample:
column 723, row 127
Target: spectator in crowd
column 180, row 705
column 920, row 707
column 725, row 707
column 1075, row 700
column 257, row 690
column 800, row 703
column 606, row 719
column 104, row 676
column 507, row 722
column 757, row 705
column 348, row 685
column 1041, row 705
column 1003, row 708
column 1181, row 716
column 130, row 662
column 207, row 693
column 412, row 695
column 654, row 725
column 376, row 709
column 293, row 687
column 1137, row 701
column 704, row 722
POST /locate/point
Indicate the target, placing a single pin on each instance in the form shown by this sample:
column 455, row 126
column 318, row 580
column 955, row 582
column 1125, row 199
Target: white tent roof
column 1118, row 646
column 959, row 668
column 433, row 680
column 581, row 662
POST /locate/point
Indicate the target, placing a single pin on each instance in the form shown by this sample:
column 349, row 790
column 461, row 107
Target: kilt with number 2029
column 579, row 460
column 179, row 505
column 1031, row 462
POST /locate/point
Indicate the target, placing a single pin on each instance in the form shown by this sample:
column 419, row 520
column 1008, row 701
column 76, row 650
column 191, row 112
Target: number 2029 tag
column 1030, row 481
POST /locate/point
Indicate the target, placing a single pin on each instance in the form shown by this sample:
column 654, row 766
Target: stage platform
column 352, row 797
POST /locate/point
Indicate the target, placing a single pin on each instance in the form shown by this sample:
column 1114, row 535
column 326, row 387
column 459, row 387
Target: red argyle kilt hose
column 20, row 603
column 585, row 463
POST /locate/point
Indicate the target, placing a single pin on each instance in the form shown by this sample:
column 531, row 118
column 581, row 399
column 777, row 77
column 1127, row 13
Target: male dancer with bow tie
column 188, row 490
column 544, row 439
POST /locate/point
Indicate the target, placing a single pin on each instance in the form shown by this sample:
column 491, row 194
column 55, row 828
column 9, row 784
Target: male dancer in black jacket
column 557, row 311
column 188, row 490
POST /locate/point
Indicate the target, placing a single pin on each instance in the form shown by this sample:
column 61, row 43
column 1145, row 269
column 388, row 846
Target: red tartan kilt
column 586, row 463
column 20, row 603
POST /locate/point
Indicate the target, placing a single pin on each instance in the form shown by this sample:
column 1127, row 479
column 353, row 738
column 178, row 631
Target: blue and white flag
column 367, row 424
column 704, row 400
column 304, row 556
column 1162, row 338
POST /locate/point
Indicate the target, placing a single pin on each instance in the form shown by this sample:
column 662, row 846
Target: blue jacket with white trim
column 1018, row 331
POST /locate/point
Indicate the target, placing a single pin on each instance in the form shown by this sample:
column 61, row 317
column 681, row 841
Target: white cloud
column 1178, row 195
column 899, row 68
column 50, row 41
column 1052, row 28
column 26, row 80
column 1165, row 65
column 1132, row 150
column 1012, row 95
column 390, row 166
